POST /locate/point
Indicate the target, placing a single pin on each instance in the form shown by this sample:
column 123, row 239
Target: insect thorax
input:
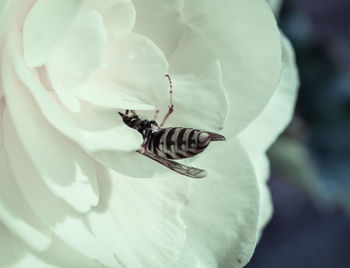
column 143, row 126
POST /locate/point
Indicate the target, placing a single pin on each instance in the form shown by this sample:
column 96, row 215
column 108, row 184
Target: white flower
column 70, row 188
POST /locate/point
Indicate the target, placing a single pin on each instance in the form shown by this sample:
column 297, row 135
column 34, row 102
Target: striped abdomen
column 178, row 142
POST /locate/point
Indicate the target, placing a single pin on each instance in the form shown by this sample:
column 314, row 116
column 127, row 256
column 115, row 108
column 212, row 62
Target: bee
column 167, row 144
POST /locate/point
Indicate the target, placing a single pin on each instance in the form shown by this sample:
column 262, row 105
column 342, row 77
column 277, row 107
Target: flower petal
column 275, row 6
column 279, row 111
column 61, row 119
column 127, row 57
column 105, row 233
column 193, row 66
column 68, row 171
column 229, row 197
column 77, row 55
column 102, row 6
column 61, row 219
column 139, row 220
column 39, row 37
column 200, row 99
column 12, row 14
column 269, row 124
column 119, row 18
column 15, row 255
column 160, row 21
column 15, row 213
column 250, row 54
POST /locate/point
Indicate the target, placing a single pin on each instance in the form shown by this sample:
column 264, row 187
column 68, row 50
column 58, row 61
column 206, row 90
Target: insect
column 165, row 144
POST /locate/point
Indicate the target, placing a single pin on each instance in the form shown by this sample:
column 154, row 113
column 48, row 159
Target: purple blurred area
column 300, row 236
column 330, row 21
column 312, row 229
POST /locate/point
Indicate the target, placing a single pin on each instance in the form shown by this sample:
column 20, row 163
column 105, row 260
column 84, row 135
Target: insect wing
column 215, row 136
column 177, row 167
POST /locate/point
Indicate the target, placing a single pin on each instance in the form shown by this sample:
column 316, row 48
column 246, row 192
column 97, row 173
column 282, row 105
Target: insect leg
column 155, row 114
column 155, row 124
column 142, row 150
column 171, row 90
column 171, row 106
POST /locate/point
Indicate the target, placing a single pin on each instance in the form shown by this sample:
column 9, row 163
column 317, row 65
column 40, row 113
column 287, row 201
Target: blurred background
column 310, row 162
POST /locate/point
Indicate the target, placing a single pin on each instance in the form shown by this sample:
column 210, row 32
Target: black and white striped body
column 164, row 144
column 172, row 142
column 177, row 142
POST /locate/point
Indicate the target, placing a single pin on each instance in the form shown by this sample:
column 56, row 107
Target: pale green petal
column 60, row 118
column 279, row 111
column 15, row 213
column 132, row 75
column 244, row 36
column 38, row 37
column 275, row 6
column 4, row 6
column 160, row 21
column 119, row 18
column 210, row 50
column 199, row 96
column 62, row 165
column 103, row 6
column 60, row 218
column 14, row 254
column 139, row 220
column 264, row 130
column 11, row 13
column 11, row 16
column 222, row 212
column 77, row 55
column 130, row 213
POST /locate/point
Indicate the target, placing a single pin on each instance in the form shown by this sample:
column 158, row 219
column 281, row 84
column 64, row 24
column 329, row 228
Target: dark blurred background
column 310, row 182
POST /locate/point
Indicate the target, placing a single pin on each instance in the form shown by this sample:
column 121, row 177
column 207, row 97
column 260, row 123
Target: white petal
column 77, row 55
column 15, row 255
column 249, row 52
column 114, row 84
column 222, row 213
column 160, row 21
column 102, row 6
column 264, row 130
column 275, row 6
column 5, row 19
column 200, row 99
column 61, row 119
column 4, row 5
column 139, row 220
column 11, row 16
column 279, row 111
column 125, row 163
column 61, row 219
column 119, row 18
column 142, row 214
column 262, row 170
column 15, row 213
column 63, row 166
column 39, row 37
column 134, row 72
